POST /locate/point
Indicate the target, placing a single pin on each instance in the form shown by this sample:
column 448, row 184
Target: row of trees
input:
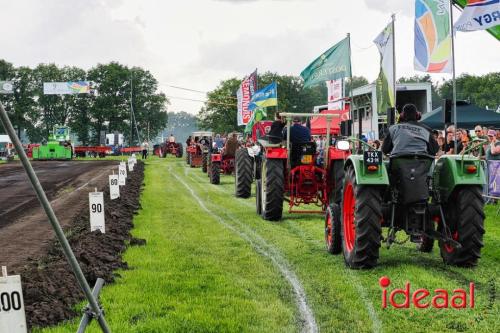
column 108, row 109
column 219, row 112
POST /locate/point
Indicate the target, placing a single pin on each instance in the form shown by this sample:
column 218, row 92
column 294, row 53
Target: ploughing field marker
column 12, row 315
column 96, row 207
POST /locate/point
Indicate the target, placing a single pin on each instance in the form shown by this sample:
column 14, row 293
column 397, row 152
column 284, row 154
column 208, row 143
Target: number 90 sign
column 96, row 206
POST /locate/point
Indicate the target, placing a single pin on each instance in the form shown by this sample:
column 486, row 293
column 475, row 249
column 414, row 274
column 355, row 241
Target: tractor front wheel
column 243, row 166
column 332, row 229
column 272, row 187
column 215, row 173
column 464, row 215
column 258, row 200
column 179, row 151
column 336, row 180
column 360, row 223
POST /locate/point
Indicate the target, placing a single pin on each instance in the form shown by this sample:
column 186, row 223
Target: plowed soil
column 50, row 288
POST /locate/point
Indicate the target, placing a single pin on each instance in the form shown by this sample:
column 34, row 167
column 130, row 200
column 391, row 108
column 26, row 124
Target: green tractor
column 428, row 199
column 58, row 147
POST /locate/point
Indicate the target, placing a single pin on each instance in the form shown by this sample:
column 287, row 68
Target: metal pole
column 4, row 118
column 87, row 317
column 394, row 59
column 288, row 153
column 454, row 101
column 351, row 103
column 326, row 151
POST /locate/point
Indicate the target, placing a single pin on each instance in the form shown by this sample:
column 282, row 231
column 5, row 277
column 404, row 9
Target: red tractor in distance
column 293, row 173
column 196, row 151
column 174, row 148
column 219, row 164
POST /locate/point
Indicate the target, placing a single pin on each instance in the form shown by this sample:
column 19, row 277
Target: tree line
column 117, row 89
column 220, row 110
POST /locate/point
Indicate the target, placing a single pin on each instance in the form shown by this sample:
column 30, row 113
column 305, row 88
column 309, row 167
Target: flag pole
column 454, row 84
column 394, row 59
column 351, row 104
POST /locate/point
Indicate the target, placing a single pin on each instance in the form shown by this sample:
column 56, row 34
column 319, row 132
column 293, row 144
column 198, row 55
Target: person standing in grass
column 145, row 147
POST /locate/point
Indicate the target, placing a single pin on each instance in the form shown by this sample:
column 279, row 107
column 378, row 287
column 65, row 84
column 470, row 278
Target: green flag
column 257, row 115
column 333, row 64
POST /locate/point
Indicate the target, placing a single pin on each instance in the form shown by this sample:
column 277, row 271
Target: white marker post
column 96, row 207
column 12, row 315
column 130, row 164
column 114, row 187
column 122, row 174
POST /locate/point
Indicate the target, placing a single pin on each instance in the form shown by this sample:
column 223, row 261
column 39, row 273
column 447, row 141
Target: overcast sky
column 198, row 43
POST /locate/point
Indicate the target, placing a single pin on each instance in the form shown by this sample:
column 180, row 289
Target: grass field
column 212, row 265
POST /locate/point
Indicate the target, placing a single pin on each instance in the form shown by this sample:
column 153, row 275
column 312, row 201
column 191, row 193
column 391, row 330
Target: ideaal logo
column 422, row 298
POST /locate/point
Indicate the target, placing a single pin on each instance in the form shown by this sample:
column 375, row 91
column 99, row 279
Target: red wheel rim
column 348, row 208
column 449, row 248
column 328, row 229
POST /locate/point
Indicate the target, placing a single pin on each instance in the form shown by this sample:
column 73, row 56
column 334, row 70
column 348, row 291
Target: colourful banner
column 494, row 31
column 66, row 88
column 335, row 93
column 386, row 80
column 244, row 95
column 479, row 15
column 494, row 178
column 333, row 64
column 432, row 36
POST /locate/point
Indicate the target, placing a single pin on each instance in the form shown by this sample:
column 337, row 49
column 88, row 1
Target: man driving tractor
column 231, row 146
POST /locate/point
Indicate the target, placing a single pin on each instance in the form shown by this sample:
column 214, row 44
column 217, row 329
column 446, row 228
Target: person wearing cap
column 298, row 132
column 493, row 148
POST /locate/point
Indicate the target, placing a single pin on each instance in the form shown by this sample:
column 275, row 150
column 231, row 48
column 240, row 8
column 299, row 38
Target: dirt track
column 24, row 229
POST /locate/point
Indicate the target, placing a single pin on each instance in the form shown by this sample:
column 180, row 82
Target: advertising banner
column 244, row 95
column 479, row 15
column 494, row 178
column 6, row 87
column 335, row 92
column 66, row 88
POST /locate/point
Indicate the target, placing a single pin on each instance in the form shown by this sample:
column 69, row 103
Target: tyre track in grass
column 376, row 322
column 263, row 248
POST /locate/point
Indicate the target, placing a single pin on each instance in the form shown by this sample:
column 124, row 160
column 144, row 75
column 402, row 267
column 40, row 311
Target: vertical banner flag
column 432, row 36
column 479, row 15
column 267, row 96
column 244, row 95
column 386, row 79
column 333, row 64
column 494, row 178
column 335, row 92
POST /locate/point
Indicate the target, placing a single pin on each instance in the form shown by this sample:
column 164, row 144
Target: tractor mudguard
column 276, row 153
column 215, row 157
column 452, row 171
column 365, row 177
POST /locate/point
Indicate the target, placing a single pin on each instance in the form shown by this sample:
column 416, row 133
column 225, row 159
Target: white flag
column 479, row 15
column 335, row 92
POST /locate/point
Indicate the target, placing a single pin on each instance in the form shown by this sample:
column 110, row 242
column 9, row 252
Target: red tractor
column 174, row 148
column 197, row 151
column 219, row 163
column 247, row 159
column 300, row 174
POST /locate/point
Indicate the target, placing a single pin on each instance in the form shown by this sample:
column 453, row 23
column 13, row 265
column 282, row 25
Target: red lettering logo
column 403, row 298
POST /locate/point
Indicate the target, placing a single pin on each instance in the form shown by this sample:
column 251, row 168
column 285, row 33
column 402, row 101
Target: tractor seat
column 298, row 150
column 409, row 178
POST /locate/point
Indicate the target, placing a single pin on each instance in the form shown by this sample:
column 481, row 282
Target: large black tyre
column 272, row 187
column 179, row 150
column 243, row 169
column 188, row 158
column 464, row 215
column 258, row 200
column 337, row 181
column 332, row 229
column 204, row 163
column 215, row 173
column 360, row 223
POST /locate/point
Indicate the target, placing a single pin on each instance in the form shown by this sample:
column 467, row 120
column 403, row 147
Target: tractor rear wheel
column 204, row 164
column 464, row 215
column 215, row 173
column 332, row 229
column 426, row 244
column 179, row 150
column 360, row 223
column 187, row 157
column 337, row 181
column 258, row 200
column 272, row 187
column 243, row 168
